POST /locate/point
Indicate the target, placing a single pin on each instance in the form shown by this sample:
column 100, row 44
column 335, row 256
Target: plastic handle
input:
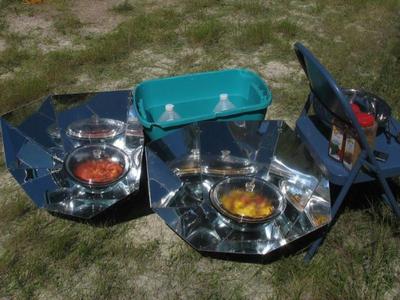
column 138, row 111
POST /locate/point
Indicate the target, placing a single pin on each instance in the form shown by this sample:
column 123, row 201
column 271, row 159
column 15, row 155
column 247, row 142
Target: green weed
column 355, row 265
column 253, row 35
column 13, row 57
column 67, row 23
column 124, row 7
column 287, row 28
column 194, row 6
column 6, row 3
column 254, row 8
column 205, row 33
column 156, row 28
column 388, row 80
column 16, row 206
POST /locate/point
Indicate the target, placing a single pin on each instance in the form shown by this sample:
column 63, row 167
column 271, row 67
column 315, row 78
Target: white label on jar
column 349, row 152
column 336, row 143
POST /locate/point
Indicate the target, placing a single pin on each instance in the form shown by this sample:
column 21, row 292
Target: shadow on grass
column 132, row 207
column 290, row 250
column 364, row 197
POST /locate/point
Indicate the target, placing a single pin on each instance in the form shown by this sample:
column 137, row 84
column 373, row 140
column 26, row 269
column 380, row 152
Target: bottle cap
column 223, row 97
column 169, row 107
column 365, row 120
column 132, row 118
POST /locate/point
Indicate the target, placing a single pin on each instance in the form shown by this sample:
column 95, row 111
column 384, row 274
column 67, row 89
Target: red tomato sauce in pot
column 100, row 171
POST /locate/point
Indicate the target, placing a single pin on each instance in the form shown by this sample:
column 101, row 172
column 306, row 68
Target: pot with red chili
column 97, row 165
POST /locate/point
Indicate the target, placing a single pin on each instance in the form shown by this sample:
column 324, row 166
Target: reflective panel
column 75, row 154
column 237, row 187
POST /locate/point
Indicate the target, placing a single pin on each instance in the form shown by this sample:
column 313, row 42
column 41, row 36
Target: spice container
column 352, row 147
column 336, row 143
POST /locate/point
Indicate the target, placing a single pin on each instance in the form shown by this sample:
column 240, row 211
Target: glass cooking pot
column 97, row 165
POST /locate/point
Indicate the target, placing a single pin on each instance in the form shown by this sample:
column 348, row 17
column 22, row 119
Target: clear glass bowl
column 247, row 199
column 97, row 165
column 318, row 211
column 368, row 103
column 95, row 128
column 297, row 191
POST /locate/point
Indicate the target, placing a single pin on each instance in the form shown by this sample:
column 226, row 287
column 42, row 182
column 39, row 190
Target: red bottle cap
column 365, row 120
column 355, row 108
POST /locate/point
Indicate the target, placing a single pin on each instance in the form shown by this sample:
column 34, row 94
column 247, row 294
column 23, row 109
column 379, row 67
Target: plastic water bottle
column 169, row 114
column 223, row 104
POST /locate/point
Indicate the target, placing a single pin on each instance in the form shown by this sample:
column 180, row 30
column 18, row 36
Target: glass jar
column 336, row 142
column 352, row 148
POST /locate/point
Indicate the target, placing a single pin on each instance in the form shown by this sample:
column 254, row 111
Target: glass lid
column 247, row 199
column 188, row 165
column 227, row 164
column 95, row 128
column 134, row 128
column 223, row 164
column 97, row 165
column 53, row 131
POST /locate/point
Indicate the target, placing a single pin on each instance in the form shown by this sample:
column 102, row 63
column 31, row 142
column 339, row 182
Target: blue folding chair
column 328, row 94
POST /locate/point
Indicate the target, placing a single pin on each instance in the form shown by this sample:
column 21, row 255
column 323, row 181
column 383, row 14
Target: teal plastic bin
column 195, row 96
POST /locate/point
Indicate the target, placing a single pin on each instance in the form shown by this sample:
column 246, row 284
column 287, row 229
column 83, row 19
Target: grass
column 357, row 266
column 124, row 7
column 67, row 23
column 251, row 7
column 18, row 207
column 13, row 57
column 205, row 33
column 41, row 73
column 193, row 6
column 254, row 35
column 42, row 256
column 287, row 28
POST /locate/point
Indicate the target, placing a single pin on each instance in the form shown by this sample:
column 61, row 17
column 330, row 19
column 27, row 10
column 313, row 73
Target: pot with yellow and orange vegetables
column 247, row 199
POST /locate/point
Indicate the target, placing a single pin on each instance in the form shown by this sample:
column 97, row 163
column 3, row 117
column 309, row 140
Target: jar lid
column 365, row 120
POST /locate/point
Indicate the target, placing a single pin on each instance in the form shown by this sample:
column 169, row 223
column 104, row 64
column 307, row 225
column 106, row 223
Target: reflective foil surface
column 38, row 141
column 185, row 166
